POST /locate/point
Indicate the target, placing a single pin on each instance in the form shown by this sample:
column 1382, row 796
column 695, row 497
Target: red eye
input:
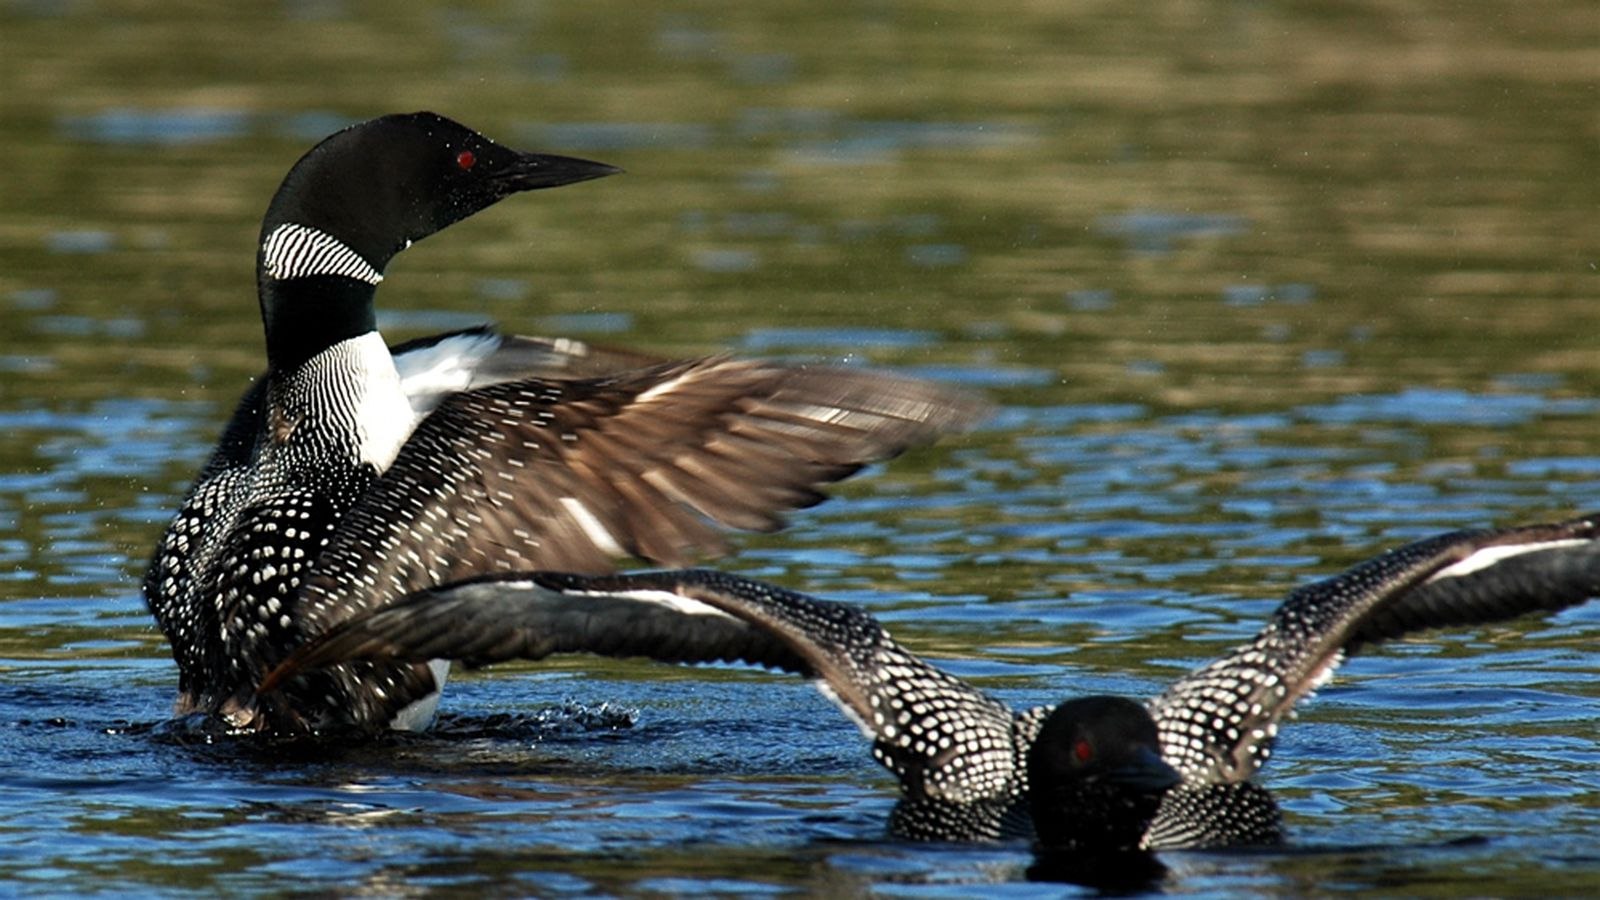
column 466, row 159
column 1083, row 751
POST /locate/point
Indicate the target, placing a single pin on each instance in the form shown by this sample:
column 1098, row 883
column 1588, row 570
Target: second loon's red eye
column 1083, row 750
column 466, row 159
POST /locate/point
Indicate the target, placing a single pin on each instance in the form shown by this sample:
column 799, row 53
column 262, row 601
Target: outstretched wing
column 942, row 737
column 569, row 475
column 534, row 615
column 1217, row 724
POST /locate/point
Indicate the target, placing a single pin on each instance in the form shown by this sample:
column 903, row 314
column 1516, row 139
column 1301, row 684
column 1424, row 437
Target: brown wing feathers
column 568, row 475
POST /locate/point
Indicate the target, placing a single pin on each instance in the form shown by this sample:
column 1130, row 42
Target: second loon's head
column 363, row 195
column 1096, row 776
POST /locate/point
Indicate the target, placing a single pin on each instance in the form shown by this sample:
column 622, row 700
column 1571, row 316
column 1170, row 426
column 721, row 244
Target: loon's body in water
column 1096, row 773
column 353, row 474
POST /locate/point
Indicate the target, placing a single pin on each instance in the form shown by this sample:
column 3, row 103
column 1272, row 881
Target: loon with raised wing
column 353, row 474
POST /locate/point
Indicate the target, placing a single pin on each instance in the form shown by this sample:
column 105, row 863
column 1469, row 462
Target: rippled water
column 1260, row 292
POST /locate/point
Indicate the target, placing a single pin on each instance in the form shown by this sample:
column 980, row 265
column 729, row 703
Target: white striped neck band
column 296, row 251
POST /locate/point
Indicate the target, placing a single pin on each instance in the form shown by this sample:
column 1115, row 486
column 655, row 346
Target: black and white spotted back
column 225, row 580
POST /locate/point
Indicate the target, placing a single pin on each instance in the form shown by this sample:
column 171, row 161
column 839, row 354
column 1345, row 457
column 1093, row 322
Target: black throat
column 305, row 316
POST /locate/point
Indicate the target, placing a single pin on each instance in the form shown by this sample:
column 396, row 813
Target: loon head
column 363, row 195
column 1096, row 776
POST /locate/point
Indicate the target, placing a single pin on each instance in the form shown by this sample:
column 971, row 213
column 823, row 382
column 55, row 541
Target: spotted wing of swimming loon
column 1218, row 723
column 943, row 738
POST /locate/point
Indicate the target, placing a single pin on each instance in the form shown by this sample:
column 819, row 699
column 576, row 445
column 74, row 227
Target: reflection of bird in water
column 1092, row 773
column 353, row 474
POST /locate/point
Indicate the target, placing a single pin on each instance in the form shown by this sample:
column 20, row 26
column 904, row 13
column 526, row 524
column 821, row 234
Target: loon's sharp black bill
column 1145, row 771
column 533, row 171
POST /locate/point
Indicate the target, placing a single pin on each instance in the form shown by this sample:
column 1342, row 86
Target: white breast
column 383, row 415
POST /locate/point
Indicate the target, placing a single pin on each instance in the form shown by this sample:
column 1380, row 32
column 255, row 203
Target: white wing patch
column 429, row 374
column 1490, row 556
column 674, row 602
column 664, row 388
column 298, row 251
column 827, row 690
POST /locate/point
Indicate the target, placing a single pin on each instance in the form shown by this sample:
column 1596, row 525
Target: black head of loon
column 1097, row 773
column 361, row 196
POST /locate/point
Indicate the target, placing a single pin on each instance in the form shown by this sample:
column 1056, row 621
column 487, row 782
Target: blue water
column 1062, row 550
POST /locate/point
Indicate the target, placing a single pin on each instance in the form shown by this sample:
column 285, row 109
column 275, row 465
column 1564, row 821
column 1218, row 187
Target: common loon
column 1095, row 773
column 351, row 475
